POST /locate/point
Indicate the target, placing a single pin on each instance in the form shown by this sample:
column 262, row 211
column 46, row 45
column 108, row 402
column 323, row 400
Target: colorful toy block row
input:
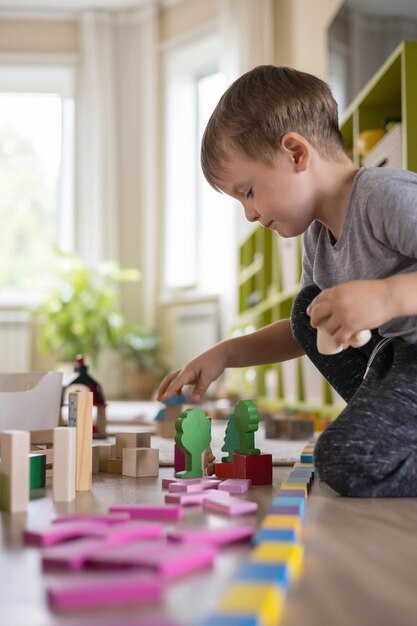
column 257, row 593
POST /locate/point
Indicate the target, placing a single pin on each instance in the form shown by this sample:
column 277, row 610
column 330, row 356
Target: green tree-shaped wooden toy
column 193, row 437
column 231, row 440
column 246, row 418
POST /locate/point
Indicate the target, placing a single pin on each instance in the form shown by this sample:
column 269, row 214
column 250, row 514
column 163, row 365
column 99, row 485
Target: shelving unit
column 391, row 93
column 269, row 280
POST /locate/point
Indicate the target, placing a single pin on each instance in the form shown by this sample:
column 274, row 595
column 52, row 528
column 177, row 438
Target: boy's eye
column 249, row 194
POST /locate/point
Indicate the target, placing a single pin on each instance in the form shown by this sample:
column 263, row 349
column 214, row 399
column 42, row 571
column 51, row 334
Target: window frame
column 53, row 74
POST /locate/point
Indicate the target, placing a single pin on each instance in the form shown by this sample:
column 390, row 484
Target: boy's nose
column 251, row 214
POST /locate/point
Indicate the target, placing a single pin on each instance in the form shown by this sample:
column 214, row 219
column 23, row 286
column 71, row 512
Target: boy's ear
column 298, row 149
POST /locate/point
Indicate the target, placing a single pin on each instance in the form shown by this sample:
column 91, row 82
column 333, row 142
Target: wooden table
column 360, row 566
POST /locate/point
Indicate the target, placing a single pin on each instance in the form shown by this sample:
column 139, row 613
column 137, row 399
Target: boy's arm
column 271, row 344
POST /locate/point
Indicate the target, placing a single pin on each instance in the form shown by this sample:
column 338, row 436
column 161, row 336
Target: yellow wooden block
column 264, row 600
column 301, row 486
column 282, row 521
column 280, row 552
column 302, row 465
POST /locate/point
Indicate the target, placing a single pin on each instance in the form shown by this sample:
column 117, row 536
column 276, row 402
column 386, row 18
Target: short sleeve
column 392, row 212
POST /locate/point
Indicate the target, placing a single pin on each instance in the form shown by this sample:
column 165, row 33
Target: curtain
column 96, row 223
column 247, row 35
column 246, row 29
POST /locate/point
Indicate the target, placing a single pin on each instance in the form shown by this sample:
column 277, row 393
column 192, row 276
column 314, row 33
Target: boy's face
column 279, row 196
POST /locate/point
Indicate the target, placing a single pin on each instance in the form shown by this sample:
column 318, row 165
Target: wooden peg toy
column 246, row 418
column 193, row 437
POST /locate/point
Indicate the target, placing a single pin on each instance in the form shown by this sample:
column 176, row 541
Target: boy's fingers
column 165, row 384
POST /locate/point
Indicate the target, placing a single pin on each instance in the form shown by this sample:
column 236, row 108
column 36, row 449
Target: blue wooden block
column 299, row 480
column 230, row 619
column 291, row 501
column 276, row 509
column 275, row 534
column 306, row 457
column 291, row 492
column 276, row 573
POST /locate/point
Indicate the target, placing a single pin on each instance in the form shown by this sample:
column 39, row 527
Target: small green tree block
column 37, row 471
column 246, row 418
column 193, row 437
column 231, row 440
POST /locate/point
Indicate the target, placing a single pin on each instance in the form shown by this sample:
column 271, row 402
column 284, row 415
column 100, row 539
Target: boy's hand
column 348, row 308
column 199, row 372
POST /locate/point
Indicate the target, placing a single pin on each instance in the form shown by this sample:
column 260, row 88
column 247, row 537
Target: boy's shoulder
column 371, row 177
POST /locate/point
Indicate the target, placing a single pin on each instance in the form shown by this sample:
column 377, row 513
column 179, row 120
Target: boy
column 273, row 143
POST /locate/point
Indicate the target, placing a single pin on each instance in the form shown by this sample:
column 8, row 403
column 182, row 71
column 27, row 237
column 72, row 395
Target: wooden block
column 235, row 485
column 294, row 486
column 96, row 460
column 185, row 498
column 179, row 459
column 114, row 465
column 264, row 600
column 230, row 619
column 56, row 533
column 98, row 590
column 257, row 468
column 84, row 430
column 140, row 462
column 37, row 462
column 14, row 473
column 280, row 552
column 282, row 521
column 299, row 479
column 296, row 493
column 63, row 481
column 72, row 555
column 105, row 451
column 166, row 429
column 149, row 511
column 168, row 560
column 173, row 411
column 42, row 436
column 289, row 501
column 223, row 470
column 211, row 536
column 109, row 518
column 275, row 509
column 228, row 505
column 131, row 440
column 276, row 534
column 277, row 573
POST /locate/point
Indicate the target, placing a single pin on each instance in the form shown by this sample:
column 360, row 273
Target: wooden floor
column 360, row 567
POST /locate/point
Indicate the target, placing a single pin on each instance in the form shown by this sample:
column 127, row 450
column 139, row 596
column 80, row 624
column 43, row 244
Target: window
column 36, row 176
column 197, row 241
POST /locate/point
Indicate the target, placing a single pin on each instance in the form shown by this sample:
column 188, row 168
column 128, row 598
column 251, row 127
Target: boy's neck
column 335, row 180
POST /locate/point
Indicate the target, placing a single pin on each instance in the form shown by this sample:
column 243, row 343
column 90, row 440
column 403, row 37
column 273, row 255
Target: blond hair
column 260, row 107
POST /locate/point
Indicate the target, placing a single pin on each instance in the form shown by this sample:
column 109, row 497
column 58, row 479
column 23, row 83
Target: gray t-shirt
column 379, row 239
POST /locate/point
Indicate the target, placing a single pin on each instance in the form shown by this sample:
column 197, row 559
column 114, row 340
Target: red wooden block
column 224, row 470
column 258, row 468
column 179, row 459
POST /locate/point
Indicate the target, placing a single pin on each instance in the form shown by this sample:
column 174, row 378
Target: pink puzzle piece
column 149, row 511
column 103, row 590
column 229, row 505
column 72, row 555
column 55, row 533
column 168, row 560
column 235, row 485
column 204, row 485
column 107, row 518
column 129, row 531
column 212, row 536
column 185, row 499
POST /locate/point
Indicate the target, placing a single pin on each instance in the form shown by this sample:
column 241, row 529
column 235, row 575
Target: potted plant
column 141, row 350
column 80, row 313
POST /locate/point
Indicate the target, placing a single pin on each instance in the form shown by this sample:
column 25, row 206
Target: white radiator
column 14, row 341
column 194, row 328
